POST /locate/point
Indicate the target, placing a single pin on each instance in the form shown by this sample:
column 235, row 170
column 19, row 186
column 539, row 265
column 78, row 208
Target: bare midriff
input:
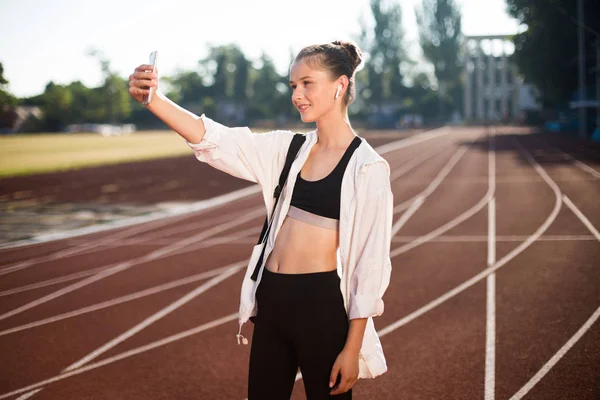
column 302, row 248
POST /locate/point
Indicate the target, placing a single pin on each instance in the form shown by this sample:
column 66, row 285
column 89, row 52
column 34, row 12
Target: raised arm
column 188, row 125
column 256, row 157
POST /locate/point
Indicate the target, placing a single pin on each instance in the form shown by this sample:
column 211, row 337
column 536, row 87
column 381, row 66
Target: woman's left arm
column 371, row 275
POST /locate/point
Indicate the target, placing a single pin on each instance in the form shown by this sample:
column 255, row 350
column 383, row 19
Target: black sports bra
column 322, row 197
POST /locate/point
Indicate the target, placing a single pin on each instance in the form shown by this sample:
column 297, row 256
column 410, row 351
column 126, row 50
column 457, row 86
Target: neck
column 334, row 131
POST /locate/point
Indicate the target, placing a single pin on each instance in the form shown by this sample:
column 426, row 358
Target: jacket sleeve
column 255, row 157
column 371, row 275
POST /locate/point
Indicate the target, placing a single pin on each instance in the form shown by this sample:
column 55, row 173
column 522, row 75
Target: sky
column 42, row 41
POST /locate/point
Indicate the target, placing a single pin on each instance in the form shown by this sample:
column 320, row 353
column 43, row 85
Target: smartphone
column 152, row 61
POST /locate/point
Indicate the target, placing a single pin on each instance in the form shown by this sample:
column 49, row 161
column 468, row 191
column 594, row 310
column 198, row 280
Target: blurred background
column 64, row 69
column 427, row 62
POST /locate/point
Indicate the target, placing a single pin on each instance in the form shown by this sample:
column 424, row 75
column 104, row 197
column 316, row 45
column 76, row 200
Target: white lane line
column 446, row 227
column 490, row 326
column 87, row 246
column 155, row 317
column 102, row 244
column 484, row 238
column 412, row 164
column 152, row 319
column 490, row 338
column 127, row 354
column 422, row 137
column 28, row 395
column 581, row 217
column 577, row 163
column 580, row 332
column 180, row 211
column 90, row 245
column 488, row 271
column 500, row 179
column 414, row 203
column 556, row 357
column 420, row 198
column 54, row 281
column 240, row 238
column 116, row 240
column 123, row 299
column 186, row 227
column 504, row 179
column 154, row 255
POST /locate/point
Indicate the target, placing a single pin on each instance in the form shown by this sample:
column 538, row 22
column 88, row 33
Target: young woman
column 327, row 261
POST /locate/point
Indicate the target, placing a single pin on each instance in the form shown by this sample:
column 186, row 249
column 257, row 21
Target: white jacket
column 366, row 208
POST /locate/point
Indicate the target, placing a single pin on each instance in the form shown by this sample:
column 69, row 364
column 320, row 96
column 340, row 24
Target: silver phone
column 152, row 61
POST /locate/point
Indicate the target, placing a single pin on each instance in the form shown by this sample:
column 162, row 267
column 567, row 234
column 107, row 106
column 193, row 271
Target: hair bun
column 351, row 50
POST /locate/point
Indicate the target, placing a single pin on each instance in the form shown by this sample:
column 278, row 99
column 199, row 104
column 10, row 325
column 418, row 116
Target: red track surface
column 503, row 201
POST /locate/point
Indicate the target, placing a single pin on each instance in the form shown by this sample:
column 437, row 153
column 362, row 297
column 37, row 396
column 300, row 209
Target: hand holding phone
column 153, row 62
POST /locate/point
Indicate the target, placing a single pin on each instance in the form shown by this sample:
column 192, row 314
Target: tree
column 384, row 55
column 8, row 115
column 226, row 72
column 6, row 99
column 57, row 103
column 265, row 97
column 441, row 40
column 385, row 51
column 240, row 80
column 186, row 87
column 546, row 53
column 117, row 102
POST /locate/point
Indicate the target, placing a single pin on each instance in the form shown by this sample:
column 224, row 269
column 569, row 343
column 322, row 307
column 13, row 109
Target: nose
column 296, row 94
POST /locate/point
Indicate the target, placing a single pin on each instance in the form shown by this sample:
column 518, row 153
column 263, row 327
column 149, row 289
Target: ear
column 342, row 85
column 337, row 93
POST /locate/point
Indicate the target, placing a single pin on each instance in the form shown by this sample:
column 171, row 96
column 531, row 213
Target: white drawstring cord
column 239, row 335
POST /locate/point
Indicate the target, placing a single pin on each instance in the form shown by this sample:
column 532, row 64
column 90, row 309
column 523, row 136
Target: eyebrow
column 304, row 77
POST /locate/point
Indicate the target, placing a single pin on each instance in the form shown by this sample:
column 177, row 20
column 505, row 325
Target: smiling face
column 313, row 91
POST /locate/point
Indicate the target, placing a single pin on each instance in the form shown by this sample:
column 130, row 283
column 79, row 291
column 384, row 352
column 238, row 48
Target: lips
column 303, row 107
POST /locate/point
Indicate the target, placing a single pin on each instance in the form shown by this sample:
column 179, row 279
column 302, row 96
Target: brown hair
column 338, row 57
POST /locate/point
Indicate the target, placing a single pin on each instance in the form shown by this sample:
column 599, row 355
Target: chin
column 306, row 118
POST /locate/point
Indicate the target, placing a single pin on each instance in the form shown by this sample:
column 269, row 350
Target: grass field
column 49, row 152
column 31, row 154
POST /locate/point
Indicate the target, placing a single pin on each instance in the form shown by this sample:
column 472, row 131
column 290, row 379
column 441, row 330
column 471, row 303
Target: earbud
column 337, row 93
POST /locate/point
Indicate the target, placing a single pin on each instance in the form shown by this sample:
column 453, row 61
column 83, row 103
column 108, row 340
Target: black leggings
column 301, row 322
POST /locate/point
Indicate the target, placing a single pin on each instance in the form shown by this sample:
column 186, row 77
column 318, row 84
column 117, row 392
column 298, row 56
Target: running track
column 494, row 294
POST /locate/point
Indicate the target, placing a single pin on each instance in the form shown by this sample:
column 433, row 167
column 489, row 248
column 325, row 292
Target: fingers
column 142, row 80
column 347, row 380
column 144, row 67
column 147, row 76
column 344, row 385
column 144, row 75
column 144, row 71
column 139, row 92
column 334, row 374
column 142, row 83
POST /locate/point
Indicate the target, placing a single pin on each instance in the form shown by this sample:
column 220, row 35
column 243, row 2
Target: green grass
column 33, row 154
column 48, row 152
